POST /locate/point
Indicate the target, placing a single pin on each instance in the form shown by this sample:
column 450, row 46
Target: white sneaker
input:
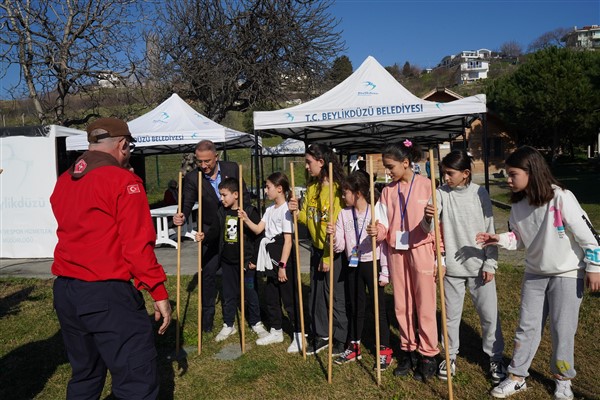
column 442, row 372
column 260, row 330
column 563, row 390
column 225, row 332
column 275, row 336
column 507, row 388
column 296, row 345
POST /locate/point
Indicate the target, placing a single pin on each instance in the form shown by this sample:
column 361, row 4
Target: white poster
column 27, row 225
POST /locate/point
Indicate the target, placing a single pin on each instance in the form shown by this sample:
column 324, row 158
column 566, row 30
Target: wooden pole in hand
column 438, row 253
column 200, row 182
column 375, row 277
column 298, row 275
column 241, row 242
column 178, row 267
column 331, row 276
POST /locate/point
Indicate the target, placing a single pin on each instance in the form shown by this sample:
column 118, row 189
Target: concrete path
column 166, row 255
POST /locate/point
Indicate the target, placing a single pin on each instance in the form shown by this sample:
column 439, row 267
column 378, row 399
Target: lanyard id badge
column 354, row 257
column 401, row 240
column 402, row 235
column 355, row 254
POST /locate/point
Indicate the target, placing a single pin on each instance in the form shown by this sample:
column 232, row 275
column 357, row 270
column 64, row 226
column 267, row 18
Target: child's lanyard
column 356, row 231
column 403, row 212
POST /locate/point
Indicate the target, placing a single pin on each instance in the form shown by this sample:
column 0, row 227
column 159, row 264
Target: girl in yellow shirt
column 315, row 214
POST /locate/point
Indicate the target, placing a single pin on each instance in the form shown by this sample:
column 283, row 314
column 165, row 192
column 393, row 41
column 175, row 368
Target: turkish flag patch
column 80, row 166
column 133, row 189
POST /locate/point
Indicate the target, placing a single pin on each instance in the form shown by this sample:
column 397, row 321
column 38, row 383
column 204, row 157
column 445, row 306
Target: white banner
column 27, row 224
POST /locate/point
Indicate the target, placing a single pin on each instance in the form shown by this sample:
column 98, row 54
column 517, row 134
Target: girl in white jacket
column 549, row 223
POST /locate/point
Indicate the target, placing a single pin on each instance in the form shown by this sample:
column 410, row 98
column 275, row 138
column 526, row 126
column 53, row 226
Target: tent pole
column 252, row 155
column 157, row 172
column 262, row 175
column 486, row 159
column 257, row 166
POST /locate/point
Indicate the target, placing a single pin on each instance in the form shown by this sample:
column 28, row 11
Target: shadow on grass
column 9, row 305
column 27, row 369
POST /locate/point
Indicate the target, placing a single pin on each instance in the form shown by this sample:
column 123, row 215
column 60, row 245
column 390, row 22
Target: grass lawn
column 33, row 363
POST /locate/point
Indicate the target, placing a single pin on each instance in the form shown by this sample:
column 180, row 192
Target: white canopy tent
column 30, row 161
column 369, row 109
column 175, row 127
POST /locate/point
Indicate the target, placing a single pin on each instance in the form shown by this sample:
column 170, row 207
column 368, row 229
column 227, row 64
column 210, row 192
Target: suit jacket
column 210, row 201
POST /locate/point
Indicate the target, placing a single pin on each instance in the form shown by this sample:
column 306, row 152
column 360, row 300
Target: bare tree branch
column 62, row 46
column 552, row 38
column 231, row 54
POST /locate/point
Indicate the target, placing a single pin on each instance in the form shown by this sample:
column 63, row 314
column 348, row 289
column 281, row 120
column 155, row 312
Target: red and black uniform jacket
column 105, row 230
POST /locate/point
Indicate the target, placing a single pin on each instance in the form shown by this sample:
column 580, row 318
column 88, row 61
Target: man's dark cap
column 108, row 127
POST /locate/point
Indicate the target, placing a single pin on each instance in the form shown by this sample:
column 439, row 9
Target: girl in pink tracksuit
column 411, row 259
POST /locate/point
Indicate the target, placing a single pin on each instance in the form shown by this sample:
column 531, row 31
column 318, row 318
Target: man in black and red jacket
column 106, row 239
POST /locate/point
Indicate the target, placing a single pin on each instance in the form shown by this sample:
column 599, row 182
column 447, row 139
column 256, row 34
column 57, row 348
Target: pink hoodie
column 388, row 212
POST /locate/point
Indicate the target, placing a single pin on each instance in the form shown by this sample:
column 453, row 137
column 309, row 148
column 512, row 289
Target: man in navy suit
column 213, row 172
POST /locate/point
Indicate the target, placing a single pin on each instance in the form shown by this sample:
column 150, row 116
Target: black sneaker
column 407, row 361
column 316, row 345
column 426, row 369
column 497, row 371
column 338, row 349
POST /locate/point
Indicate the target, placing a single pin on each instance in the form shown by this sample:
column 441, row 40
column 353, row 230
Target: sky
column 422, row 32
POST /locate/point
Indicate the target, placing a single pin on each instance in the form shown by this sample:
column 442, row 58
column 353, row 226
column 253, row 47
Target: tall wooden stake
column 331, row 277
column 438, row 253
column 298, row 275
column 200, row 182
column 241, row 241
column 375, row 277
column 178, row 268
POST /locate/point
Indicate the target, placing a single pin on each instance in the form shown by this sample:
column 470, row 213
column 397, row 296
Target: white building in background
column 474, row 64
column 109, row 80
column 587, row 37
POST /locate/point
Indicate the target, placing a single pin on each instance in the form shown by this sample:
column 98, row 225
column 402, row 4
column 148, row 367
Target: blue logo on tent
column 370, row 85
column 290, row 116
column 195, row 135
column 163, row 118
column 439, row 106
column 369, row 89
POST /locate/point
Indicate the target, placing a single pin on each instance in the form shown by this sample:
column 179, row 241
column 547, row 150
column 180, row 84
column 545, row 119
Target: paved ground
column 167, row 256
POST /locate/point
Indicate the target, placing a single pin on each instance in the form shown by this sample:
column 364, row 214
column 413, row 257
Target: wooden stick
column 178, row 267
column 200, row 182
column 438, row 253
column 331, row 276
column 298, row 275
column 241, row 241
column 375, row 277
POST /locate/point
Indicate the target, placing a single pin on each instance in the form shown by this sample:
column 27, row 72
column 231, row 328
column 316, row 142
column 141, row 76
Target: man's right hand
column 162, row 308
column 178, row 219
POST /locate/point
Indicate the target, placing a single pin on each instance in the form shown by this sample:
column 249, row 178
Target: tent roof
column 175, row 127
column 41, row 130
column 369, row 109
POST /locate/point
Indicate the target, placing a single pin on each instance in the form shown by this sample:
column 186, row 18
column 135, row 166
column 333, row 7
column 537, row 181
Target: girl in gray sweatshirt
column 465, row 209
